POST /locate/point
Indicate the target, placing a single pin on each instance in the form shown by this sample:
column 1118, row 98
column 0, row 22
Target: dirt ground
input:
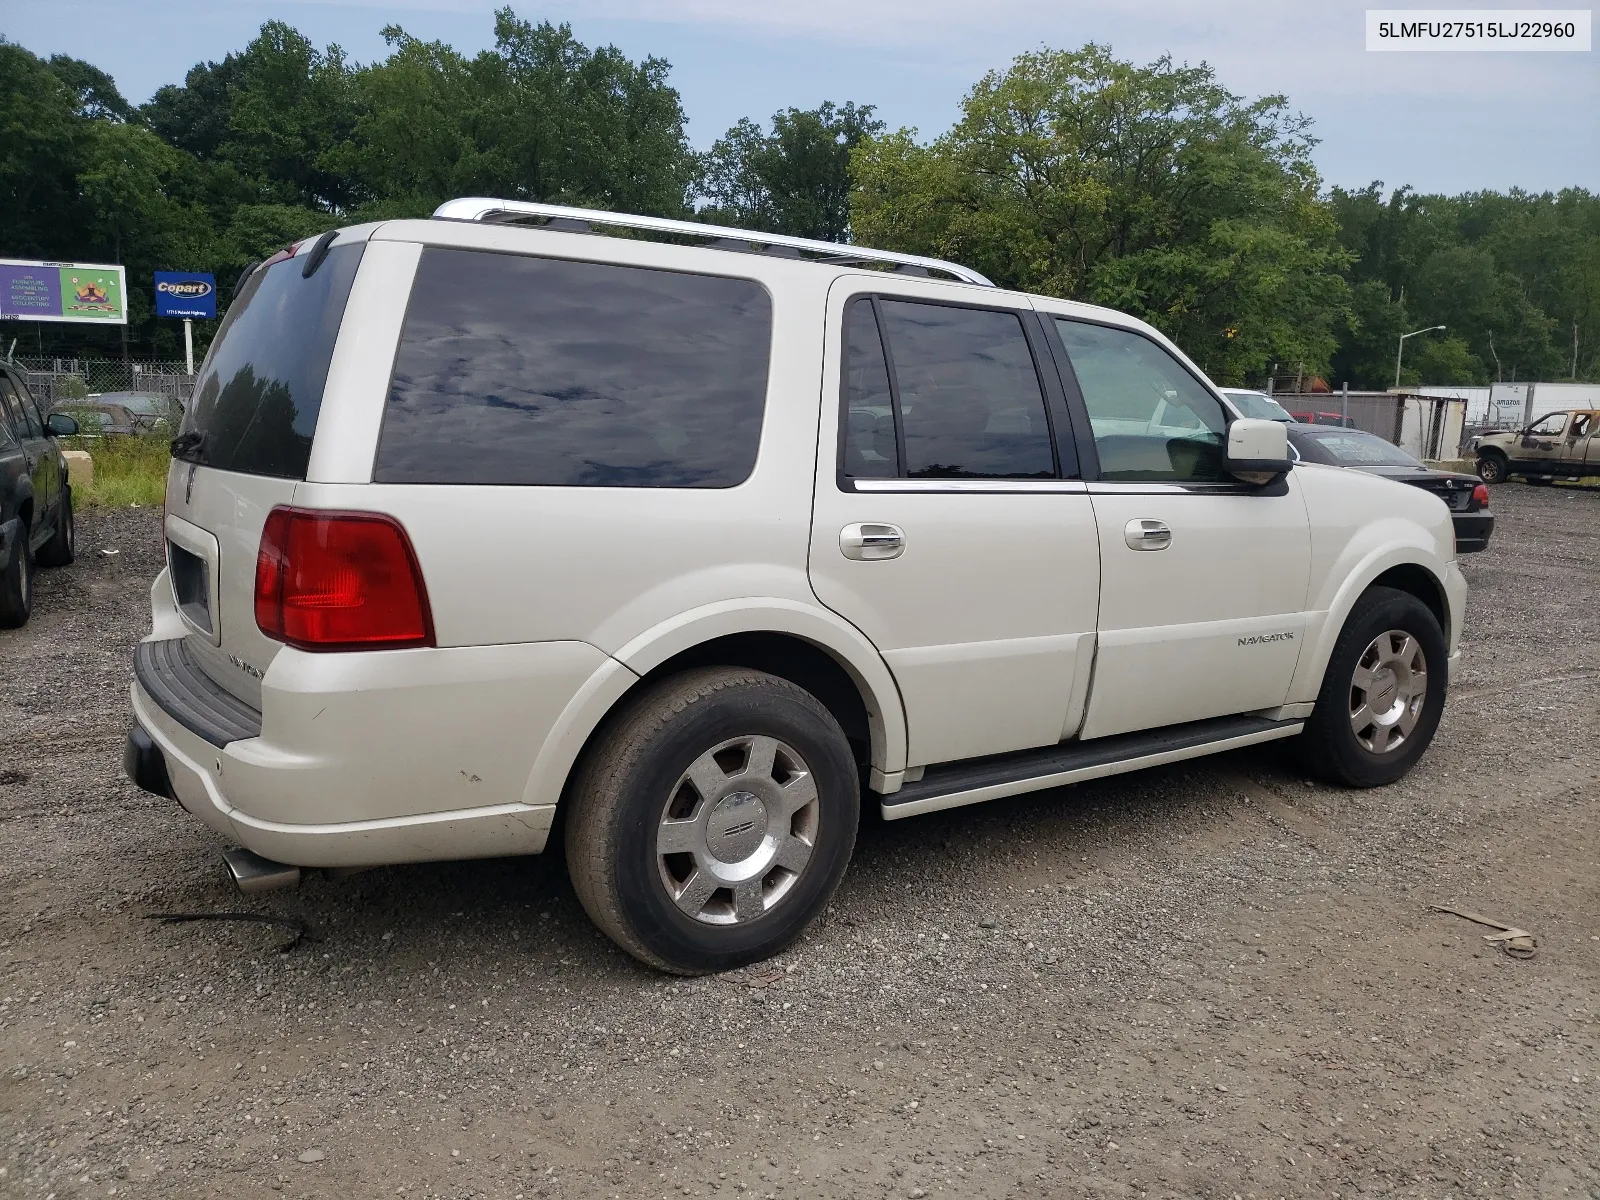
column 1210, row 980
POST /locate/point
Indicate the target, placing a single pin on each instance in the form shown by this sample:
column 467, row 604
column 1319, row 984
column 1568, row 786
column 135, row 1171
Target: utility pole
column 1574, row 348
column 1344, row 406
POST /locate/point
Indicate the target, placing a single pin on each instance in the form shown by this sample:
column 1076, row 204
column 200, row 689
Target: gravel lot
column 1208, row 980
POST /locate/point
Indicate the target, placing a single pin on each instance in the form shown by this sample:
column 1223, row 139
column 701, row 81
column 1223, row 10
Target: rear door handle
column 1145, row 534
column 868, row 540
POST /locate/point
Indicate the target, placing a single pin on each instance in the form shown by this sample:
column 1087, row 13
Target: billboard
column 58, row 291
column 186, row 294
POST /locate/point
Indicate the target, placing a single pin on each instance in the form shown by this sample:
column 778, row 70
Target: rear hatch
column 243, row 446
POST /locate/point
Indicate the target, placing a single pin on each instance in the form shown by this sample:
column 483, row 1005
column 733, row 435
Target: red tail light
column 340, row 581
column 1480, row 495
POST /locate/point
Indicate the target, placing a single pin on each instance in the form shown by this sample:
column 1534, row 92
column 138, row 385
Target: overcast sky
column 1441, row 122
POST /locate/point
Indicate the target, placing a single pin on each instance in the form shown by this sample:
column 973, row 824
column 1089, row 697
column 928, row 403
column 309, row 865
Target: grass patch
column 128, row 471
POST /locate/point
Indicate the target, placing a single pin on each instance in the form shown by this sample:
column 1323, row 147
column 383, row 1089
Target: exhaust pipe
column 251, row 873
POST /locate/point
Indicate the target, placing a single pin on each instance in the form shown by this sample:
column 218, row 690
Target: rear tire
column 1492, row 468
column 16, row 586
column 711, row 822
column 1382, row 695
column 62, row 547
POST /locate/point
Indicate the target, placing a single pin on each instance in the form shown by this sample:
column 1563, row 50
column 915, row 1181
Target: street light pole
column 1401, row 349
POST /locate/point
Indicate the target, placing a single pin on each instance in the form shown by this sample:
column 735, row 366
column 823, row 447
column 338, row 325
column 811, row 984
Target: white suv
column 694, row 539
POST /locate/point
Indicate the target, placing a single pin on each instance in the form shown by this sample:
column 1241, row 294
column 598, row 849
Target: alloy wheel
column 738, row 830
column 1387, row 691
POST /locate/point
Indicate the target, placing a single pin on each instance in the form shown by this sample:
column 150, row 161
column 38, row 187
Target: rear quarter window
column 537, row 371
column 259, row 394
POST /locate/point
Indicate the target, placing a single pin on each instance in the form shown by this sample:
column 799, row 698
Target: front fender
column 1376, row 548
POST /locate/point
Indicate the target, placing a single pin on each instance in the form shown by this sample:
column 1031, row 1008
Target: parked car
column 1258, row 405
column 35, row 496
column 118, row 413
column 696, row 544
column 1559, row 445
column 1466, row 496
column 98, row 419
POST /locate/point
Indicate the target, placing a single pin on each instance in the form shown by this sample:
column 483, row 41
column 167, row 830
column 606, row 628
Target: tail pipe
column 252, row 874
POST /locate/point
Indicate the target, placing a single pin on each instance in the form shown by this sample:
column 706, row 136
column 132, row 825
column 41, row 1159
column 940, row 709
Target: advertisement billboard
column 60, row 291
column 186, row 294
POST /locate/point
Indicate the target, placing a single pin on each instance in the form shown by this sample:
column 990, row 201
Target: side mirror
column 61, row 424
column 1258, row 451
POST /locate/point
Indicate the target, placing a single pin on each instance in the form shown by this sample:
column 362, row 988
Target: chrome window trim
column 1074, row 487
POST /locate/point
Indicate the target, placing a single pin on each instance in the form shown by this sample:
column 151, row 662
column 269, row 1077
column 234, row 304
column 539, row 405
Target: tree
column 540, row 117
column 42, row 141
column 794, row 180
column 1151, row 189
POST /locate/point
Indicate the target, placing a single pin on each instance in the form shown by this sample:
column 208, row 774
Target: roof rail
column 581, row 220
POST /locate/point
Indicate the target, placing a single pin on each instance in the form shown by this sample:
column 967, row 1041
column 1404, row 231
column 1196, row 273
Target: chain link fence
column 57, row 381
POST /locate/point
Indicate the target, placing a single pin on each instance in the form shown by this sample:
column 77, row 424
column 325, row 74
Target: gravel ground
column 1209, row 980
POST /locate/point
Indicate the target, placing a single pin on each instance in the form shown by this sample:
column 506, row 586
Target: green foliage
column 1509, row 275
column 794, row 180
column 1150, row 189
column 128, row 471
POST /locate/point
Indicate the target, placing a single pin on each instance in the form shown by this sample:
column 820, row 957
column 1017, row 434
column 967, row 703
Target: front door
column 1543, row 444
column 950, row 525
column 1203, row 579
column 38, row 451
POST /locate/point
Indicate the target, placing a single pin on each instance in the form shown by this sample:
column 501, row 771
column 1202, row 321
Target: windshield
column 256, row 403
column 1353, row 448
column 1258, row 407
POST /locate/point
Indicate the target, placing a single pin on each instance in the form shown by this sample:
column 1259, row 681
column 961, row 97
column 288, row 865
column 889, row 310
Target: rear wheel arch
column 786, row 656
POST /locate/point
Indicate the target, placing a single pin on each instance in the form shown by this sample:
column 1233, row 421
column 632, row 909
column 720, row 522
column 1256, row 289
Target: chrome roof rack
column 720, row 237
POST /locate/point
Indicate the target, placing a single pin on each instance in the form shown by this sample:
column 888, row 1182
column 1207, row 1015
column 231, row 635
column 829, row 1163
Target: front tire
column 1492, row 468
column 711, row 822
column 62, row 547
column 1382, row 695
column 16, row 585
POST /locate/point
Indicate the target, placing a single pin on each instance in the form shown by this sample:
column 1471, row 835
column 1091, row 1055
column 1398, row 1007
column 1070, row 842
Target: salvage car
column 1559, row 445
column 1466, row 496
column 35, row 496
column 694, row 540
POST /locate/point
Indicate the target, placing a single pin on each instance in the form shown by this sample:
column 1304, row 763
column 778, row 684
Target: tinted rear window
column 260, row 391
column 517, row 370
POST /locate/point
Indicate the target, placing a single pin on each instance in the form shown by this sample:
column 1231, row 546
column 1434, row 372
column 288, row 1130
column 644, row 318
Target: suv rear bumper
column 349, row 751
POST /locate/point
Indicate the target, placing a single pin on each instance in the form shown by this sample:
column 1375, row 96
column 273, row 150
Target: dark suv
column 35, row 497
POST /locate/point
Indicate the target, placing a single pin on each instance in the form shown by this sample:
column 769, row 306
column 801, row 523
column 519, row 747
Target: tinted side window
column 516, row 370
column 970, row 401
column 869, row 446
column 1150, row 417
column 259, row 393
column 11, row 426
column 25, row 417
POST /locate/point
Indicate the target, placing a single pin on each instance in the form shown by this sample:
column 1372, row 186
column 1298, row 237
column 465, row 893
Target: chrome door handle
column 868, row 540
column 1145, row 534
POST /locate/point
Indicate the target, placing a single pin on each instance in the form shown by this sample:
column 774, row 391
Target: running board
column 979, row 779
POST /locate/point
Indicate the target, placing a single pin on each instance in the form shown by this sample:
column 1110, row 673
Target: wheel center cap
column 1384, row 687
column 736, row 826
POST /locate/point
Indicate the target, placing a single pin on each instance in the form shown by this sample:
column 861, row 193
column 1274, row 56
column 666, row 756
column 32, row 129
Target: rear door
column 245, row 443
column 1203, row 579
column 949, row 525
